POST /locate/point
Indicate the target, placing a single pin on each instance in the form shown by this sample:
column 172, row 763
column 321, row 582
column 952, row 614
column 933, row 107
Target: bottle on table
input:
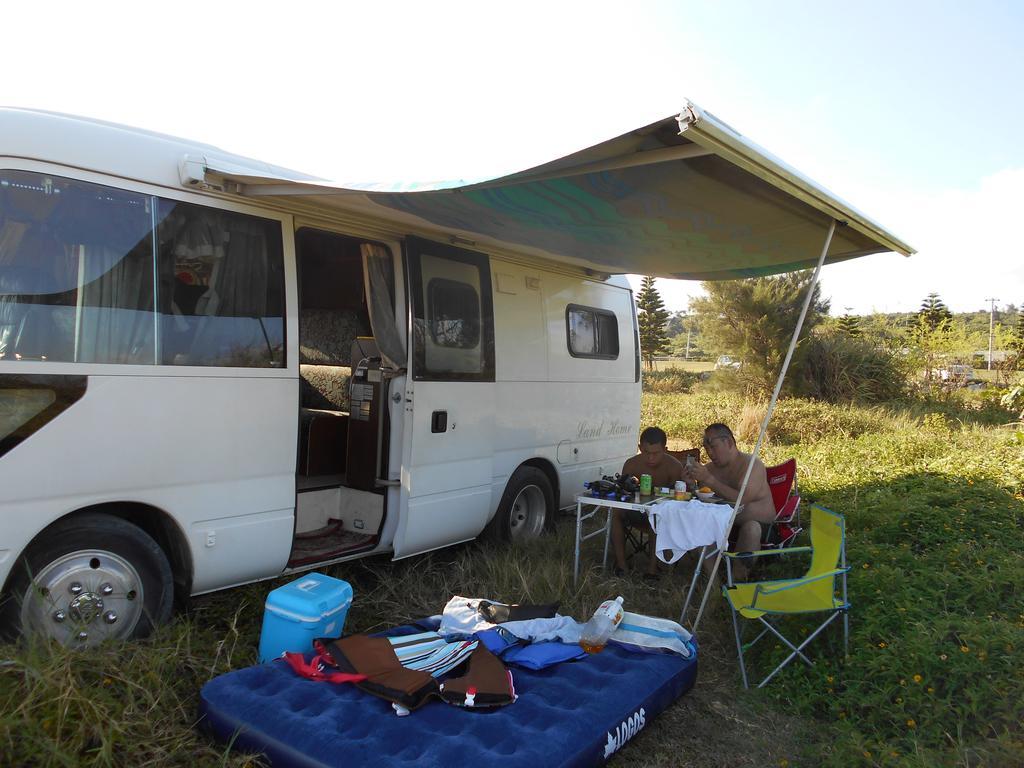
column 646, row 483
column 599, row 628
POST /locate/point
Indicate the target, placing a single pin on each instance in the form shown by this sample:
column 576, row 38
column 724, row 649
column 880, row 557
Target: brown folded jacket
column 487, row 683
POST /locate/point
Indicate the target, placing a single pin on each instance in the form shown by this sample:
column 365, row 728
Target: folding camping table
column 645, row 503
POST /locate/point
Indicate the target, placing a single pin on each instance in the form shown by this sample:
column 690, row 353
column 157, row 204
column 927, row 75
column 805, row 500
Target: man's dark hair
column 718, row 429
column 653, row 436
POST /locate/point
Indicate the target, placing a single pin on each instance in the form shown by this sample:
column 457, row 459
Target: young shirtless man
column 664, row 471
column 724, row 475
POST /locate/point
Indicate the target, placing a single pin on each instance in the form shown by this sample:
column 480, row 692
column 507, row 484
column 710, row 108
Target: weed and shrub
column 669, row 381
column 843, row 369
column 933, row 493
column 1013, row 398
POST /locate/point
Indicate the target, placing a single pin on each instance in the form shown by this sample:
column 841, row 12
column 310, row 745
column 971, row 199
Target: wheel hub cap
column 83, row 598
column 526, row 517
column 85, row 607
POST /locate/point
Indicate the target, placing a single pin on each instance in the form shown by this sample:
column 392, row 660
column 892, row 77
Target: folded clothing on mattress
column 406, row 669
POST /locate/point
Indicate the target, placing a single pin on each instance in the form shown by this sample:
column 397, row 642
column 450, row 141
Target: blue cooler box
column 298, row 613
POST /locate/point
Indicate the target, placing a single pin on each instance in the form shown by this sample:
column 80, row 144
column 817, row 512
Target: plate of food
column 705, row 494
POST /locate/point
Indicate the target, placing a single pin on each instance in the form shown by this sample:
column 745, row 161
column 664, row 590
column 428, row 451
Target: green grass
column 934, row 499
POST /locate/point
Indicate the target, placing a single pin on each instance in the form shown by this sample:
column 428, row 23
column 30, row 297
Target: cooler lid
column 310, row 598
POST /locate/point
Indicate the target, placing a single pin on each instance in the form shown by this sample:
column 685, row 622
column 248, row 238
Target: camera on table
column 618, row 487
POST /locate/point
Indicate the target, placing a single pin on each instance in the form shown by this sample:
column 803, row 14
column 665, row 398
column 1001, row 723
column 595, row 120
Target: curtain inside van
column 379, row 277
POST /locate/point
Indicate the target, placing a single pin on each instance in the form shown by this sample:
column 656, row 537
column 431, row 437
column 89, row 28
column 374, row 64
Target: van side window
column 592, row 332
column 94, row 274
column 76, row 271
column 221, row 287
column 454, row 311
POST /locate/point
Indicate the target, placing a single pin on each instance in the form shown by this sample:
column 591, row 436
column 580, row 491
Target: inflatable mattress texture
column 574, row 714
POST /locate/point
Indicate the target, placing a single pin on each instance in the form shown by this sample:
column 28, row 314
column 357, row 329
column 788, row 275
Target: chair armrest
column 763, row 590
column 762, row 552
column 788, row 510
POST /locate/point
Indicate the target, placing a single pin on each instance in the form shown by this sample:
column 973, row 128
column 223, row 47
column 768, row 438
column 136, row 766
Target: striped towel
column 431, row 653
column 654, row 632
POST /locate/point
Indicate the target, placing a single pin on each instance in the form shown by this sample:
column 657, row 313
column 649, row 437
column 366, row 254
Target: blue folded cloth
column 511, row 650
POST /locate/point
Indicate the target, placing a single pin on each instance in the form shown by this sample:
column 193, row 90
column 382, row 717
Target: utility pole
column 991, row 324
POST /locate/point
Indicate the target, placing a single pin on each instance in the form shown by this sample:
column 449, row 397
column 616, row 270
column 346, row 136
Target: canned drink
column 646, row 485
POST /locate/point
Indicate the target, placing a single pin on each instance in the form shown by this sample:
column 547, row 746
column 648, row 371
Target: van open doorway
column 343, row 426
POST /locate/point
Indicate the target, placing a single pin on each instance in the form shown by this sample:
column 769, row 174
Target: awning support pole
column 767, row 418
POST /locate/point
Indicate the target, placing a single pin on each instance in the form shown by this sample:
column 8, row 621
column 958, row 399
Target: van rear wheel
column 525, row 509
column 88, row 579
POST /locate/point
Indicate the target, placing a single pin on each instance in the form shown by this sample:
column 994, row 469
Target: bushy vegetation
column 794, row 420
column 843, row 368
column 933, row 493
column 672, row 380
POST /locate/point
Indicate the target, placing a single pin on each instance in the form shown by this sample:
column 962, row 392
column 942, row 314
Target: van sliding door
column 447, row 471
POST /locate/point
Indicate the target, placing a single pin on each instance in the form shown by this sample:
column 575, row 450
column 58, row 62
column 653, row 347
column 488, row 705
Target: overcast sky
column 910, row 111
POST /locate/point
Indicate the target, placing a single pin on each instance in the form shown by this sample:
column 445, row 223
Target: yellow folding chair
column 815, row 592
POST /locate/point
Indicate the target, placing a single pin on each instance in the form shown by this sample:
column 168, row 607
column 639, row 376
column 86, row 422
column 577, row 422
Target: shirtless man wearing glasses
column 724, row 475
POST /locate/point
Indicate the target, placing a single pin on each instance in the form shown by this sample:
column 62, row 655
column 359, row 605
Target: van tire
column 526, row 507
column 94, row 574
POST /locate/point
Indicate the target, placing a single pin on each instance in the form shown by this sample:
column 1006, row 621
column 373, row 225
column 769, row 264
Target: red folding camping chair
column 786, row 527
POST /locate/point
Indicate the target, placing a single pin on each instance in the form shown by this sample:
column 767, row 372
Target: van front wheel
column 90, row 578
column 525, row 508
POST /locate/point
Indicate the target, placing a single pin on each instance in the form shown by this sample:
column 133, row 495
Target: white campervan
column 214, row 371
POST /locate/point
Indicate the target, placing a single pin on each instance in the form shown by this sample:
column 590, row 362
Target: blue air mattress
column 574, row 714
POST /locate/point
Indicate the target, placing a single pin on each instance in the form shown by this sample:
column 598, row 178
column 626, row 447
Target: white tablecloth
column 685, row 525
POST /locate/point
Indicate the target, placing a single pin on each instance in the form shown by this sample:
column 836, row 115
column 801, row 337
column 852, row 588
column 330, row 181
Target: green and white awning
column 685, row 197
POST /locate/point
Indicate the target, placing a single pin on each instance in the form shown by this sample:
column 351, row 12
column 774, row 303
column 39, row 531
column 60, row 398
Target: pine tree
column 933, row 312
column 652, row 317
column 849, row 325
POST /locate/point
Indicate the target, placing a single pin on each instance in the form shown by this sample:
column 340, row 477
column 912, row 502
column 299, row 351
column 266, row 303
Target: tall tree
column 933, row 312
column 1017, row 339
column 652, row 317
column 929, row 332
column 1015, row 344
column 754, row 320
column 849, row 325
